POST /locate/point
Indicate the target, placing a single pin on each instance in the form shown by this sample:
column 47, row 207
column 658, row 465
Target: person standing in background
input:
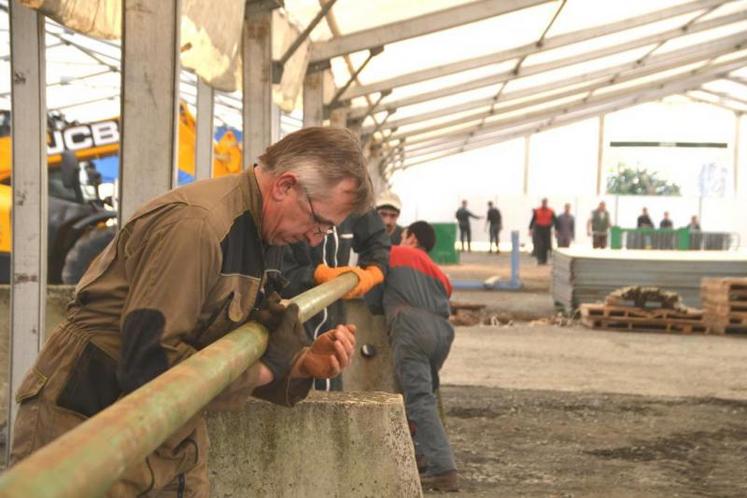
column 388, row 205
column 598, row 225
column 495, row 223
column 565, row 227
column 644, row 220
column 666, row 222
column 465, row 231
column 540, row 229
column 694, row 225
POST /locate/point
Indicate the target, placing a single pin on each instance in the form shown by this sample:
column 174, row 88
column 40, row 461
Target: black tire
column 87, row 247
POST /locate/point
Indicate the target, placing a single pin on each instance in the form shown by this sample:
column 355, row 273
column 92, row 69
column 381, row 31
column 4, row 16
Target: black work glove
column 286, row 340
column 270, row 312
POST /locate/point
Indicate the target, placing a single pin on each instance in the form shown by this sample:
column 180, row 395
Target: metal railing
column 682, row 239
column 86, row 461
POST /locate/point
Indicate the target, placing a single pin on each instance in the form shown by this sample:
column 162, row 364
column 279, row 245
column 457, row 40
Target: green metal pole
column 86, row 461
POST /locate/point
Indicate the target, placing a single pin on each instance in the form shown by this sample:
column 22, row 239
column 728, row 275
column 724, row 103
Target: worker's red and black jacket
column 415, row 282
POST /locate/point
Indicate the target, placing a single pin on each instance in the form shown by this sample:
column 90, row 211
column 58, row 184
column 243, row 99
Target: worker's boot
column 448, row 481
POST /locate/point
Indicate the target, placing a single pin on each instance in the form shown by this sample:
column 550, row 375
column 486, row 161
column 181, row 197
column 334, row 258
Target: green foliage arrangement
column 629, row 181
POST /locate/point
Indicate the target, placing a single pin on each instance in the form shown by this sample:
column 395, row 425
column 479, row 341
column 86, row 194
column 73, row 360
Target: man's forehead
column 387, row 210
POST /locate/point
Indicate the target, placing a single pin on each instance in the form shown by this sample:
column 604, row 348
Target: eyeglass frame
column 319, row 223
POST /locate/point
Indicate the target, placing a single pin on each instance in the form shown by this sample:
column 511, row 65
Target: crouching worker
column 416, row 303
column 185, row 270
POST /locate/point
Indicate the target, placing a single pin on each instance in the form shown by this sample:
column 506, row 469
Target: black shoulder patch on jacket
column 143, row 358
column 242, row 248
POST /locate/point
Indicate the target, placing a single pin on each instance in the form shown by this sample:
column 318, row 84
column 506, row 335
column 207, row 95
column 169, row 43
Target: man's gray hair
column 322, row 157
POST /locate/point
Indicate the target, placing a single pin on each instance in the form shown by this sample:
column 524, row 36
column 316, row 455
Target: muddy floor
column 511, row 442
column 536, row 409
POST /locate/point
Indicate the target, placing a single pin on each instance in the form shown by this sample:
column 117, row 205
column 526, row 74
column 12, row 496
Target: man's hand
column 367, row 277
column 330, row 354
column 270, row 312
column 286, row 341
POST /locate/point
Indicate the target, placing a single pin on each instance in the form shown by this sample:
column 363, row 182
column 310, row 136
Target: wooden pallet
column 601, row 316
column 725, row 304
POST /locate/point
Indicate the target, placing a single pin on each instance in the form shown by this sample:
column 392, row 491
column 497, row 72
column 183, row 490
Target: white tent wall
column 560, row 165
column 563, row 168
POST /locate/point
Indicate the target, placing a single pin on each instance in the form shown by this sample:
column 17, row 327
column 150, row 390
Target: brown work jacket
column 185, row 270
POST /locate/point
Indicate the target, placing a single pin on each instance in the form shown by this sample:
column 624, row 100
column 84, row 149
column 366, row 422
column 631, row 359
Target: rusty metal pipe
column 86, row 461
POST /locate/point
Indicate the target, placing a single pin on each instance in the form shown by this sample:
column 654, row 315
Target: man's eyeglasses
column 321, row 226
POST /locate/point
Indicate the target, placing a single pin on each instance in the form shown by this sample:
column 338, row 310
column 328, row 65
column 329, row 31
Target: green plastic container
column 444, row 252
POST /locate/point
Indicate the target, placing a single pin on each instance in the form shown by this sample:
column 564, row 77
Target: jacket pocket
column 31, row 386
column 92, row 385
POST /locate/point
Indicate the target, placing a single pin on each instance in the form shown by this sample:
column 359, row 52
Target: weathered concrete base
column 369, row 374
column 331, row 445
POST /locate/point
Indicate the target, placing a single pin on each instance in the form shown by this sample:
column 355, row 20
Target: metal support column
column 275, row 119
column 257, row 79
column 204, row 138
column 527, row 144
column 313, row 98
column 28, row 270
column 150, row 89
column 339, row 117
column 600, row 154
column 737, row 139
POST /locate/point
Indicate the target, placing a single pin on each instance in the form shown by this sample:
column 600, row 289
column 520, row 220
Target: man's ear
column 282, row 185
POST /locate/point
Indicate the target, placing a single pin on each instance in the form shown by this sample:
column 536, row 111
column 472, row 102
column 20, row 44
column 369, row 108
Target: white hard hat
column 390, row 199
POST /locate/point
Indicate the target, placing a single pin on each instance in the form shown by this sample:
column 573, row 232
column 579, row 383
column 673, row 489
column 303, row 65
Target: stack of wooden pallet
column 725, row 304
column 582, row 275
column 633, row 318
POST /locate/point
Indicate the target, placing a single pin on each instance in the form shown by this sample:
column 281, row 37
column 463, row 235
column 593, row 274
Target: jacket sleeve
column 371, row 241
column 473, row 215
column 534, row 218
column 171, row 263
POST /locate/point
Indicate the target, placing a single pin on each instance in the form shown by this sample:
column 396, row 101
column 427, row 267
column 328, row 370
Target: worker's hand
column 367, row 277
column 330, row 354
column 285, row 343
column 270, row 311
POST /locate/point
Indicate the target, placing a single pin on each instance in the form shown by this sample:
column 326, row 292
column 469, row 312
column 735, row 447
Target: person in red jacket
column 540, row 229
column 416, row 304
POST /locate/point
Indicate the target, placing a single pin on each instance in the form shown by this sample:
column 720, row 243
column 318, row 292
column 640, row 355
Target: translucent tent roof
column 538, row 65
column 432, row 78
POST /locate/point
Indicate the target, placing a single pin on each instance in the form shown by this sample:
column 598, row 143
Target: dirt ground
column 543, row 410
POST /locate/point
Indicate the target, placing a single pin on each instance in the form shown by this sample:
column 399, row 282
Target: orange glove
column 367, row 277
column 329, row 355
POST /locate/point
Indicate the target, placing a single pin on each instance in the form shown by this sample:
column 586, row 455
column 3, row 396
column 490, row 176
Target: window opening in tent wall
column 697, row 169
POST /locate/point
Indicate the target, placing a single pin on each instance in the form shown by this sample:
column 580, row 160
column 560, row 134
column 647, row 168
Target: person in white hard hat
column 389, row 206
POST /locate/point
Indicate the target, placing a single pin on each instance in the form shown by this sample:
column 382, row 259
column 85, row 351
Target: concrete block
column 330, row 445
column 369, row 374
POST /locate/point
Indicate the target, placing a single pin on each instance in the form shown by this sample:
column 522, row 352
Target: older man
column 186, row 269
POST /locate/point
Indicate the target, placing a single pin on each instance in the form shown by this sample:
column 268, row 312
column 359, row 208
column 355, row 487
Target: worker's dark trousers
column 420, row 344
column 495, row 236
column 465, row 233
column 542, row 243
